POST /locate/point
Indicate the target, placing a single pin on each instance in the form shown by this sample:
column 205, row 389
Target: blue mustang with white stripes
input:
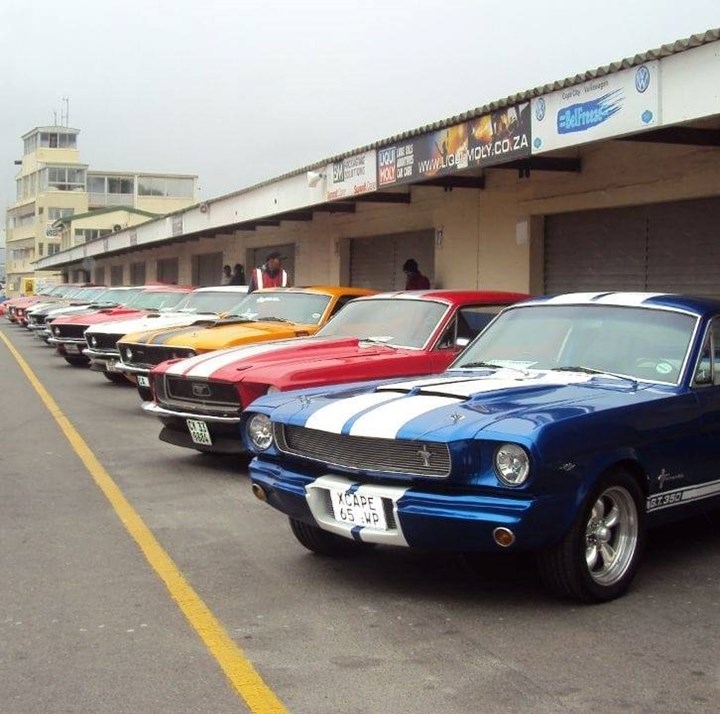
column 568, row 427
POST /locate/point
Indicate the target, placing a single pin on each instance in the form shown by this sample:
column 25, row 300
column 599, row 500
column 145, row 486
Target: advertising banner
column 351, row 176
column 490, row 139
column 617, row 104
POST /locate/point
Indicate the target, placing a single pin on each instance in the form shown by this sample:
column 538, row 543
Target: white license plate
column 143, row 381
column 72, row 349
column 111, row 365
column 199, row 432
column 358, row 509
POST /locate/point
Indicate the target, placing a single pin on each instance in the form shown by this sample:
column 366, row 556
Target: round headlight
column 93, row 341
column 128, row 354
column 259, row 431
column 56, row 330
column 512, row 464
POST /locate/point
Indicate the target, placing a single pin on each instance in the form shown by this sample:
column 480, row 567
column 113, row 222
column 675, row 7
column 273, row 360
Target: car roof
column 454, row 297
column 322, row 290
column 691, row 303
column 222, row 289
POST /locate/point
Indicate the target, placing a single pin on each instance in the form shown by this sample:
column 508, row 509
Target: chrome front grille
column 73, row 332
column 103, row 341
column 210, row 395
column 362, row 453
column 143, row 355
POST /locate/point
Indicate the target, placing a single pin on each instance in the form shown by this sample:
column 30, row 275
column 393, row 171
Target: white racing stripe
column 501, row 379
column 204, row 365
column 609, row 298
column 332, row 417
column 385, row 421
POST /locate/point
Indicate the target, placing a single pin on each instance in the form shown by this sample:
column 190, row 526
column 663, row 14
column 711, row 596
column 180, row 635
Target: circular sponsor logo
column 642, row 78
column 663, row 368
column 540, row 109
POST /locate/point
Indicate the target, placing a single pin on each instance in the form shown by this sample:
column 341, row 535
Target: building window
column 83, row 235
column 55, row 213
column 30, row 144
column 121, row 185
column 165, row 186
column 63, row 178
column 58, row 140
column 53, row 248
column 41, row 248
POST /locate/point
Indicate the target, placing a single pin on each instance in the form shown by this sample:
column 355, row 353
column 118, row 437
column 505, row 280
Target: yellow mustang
column 271, row 314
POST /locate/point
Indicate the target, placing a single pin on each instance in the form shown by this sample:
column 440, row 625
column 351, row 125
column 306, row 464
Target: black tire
column 116, row 378
column 77, row 361
column 597, row 559
column 324, row 543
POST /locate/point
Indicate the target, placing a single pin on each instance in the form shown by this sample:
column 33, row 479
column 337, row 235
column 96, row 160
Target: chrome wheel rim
column 611, row 536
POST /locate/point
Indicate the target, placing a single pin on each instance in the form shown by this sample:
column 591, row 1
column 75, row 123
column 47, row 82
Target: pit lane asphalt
column 88, row 626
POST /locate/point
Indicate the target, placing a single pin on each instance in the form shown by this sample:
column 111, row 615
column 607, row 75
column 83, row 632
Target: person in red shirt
column 415, row 280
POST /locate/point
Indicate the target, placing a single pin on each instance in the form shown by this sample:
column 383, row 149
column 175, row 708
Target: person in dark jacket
column 414, row 279
column 238, row 275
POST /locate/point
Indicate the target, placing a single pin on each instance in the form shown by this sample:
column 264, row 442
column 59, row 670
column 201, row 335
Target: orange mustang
column 271, row 314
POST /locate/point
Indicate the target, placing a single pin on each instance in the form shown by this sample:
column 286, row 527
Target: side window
column 708, row 367
column 342, row 301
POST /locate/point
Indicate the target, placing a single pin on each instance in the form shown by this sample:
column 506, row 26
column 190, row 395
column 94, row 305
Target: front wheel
column 116, row 378
column 324, row 543
column 599, row 556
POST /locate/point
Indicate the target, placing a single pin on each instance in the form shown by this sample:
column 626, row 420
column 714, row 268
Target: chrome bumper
column 158, row 411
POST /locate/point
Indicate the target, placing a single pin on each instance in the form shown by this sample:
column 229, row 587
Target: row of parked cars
column 467, row 421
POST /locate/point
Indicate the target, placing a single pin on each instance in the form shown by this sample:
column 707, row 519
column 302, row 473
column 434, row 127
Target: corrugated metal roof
column 664, row 51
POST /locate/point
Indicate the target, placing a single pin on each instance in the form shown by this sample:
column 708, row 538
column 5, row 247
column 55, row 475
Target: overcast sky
column 241, row 91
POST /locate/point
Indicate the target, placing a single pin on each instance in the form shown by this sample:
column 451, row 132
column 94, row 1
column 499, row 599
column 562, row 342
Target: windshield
column 118, row 296
column 210, row 302
column 403, row 323
column 303, row 308
column 89, row 293
column 156, row 299
column 634, row 342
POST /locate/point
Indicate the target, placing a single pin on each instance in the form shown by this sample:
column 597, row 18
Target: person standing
column 238, row 275
column 414, row 279
column 227, row 275
column 270, row 275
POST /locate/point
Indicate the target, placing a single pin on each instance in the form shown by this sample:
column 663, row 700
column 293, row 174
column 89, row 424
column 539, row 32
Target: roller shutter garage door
column 376, row 261
column 665, row 247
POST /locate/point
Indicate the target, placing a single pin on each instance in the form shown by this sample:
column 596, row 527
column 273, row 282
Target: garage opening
column 376, row 261
column 664, row 247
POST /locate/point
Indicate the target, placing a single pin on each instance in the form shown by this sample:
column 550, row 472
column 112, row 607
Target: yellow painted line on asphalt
column 238, row 669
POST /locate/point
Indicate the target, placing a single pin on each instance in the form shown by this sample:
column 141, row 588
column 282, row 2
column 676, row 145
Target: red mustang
column 199, row 399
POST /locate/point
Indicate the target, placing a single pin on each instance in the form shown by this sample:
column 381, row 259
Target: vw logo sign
column 540, row 109
column 642, row 79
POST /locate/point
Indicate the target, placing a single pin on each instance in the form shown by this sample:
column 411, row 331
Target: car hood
column 96, row 316
column 459, row 405
column 222, row 334
column 153, row 321
column 278, row 360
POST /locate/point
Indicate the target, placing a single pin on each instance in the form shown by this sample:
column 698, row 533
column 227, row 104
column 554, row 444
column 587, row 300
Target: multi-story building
column 61, row 203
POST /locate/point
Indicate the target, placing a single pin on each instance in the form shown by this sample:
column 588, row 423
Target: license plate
column 72, row 349
column 111, row 365
column 199, row 432
column 358, row 509
column 143, row 381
